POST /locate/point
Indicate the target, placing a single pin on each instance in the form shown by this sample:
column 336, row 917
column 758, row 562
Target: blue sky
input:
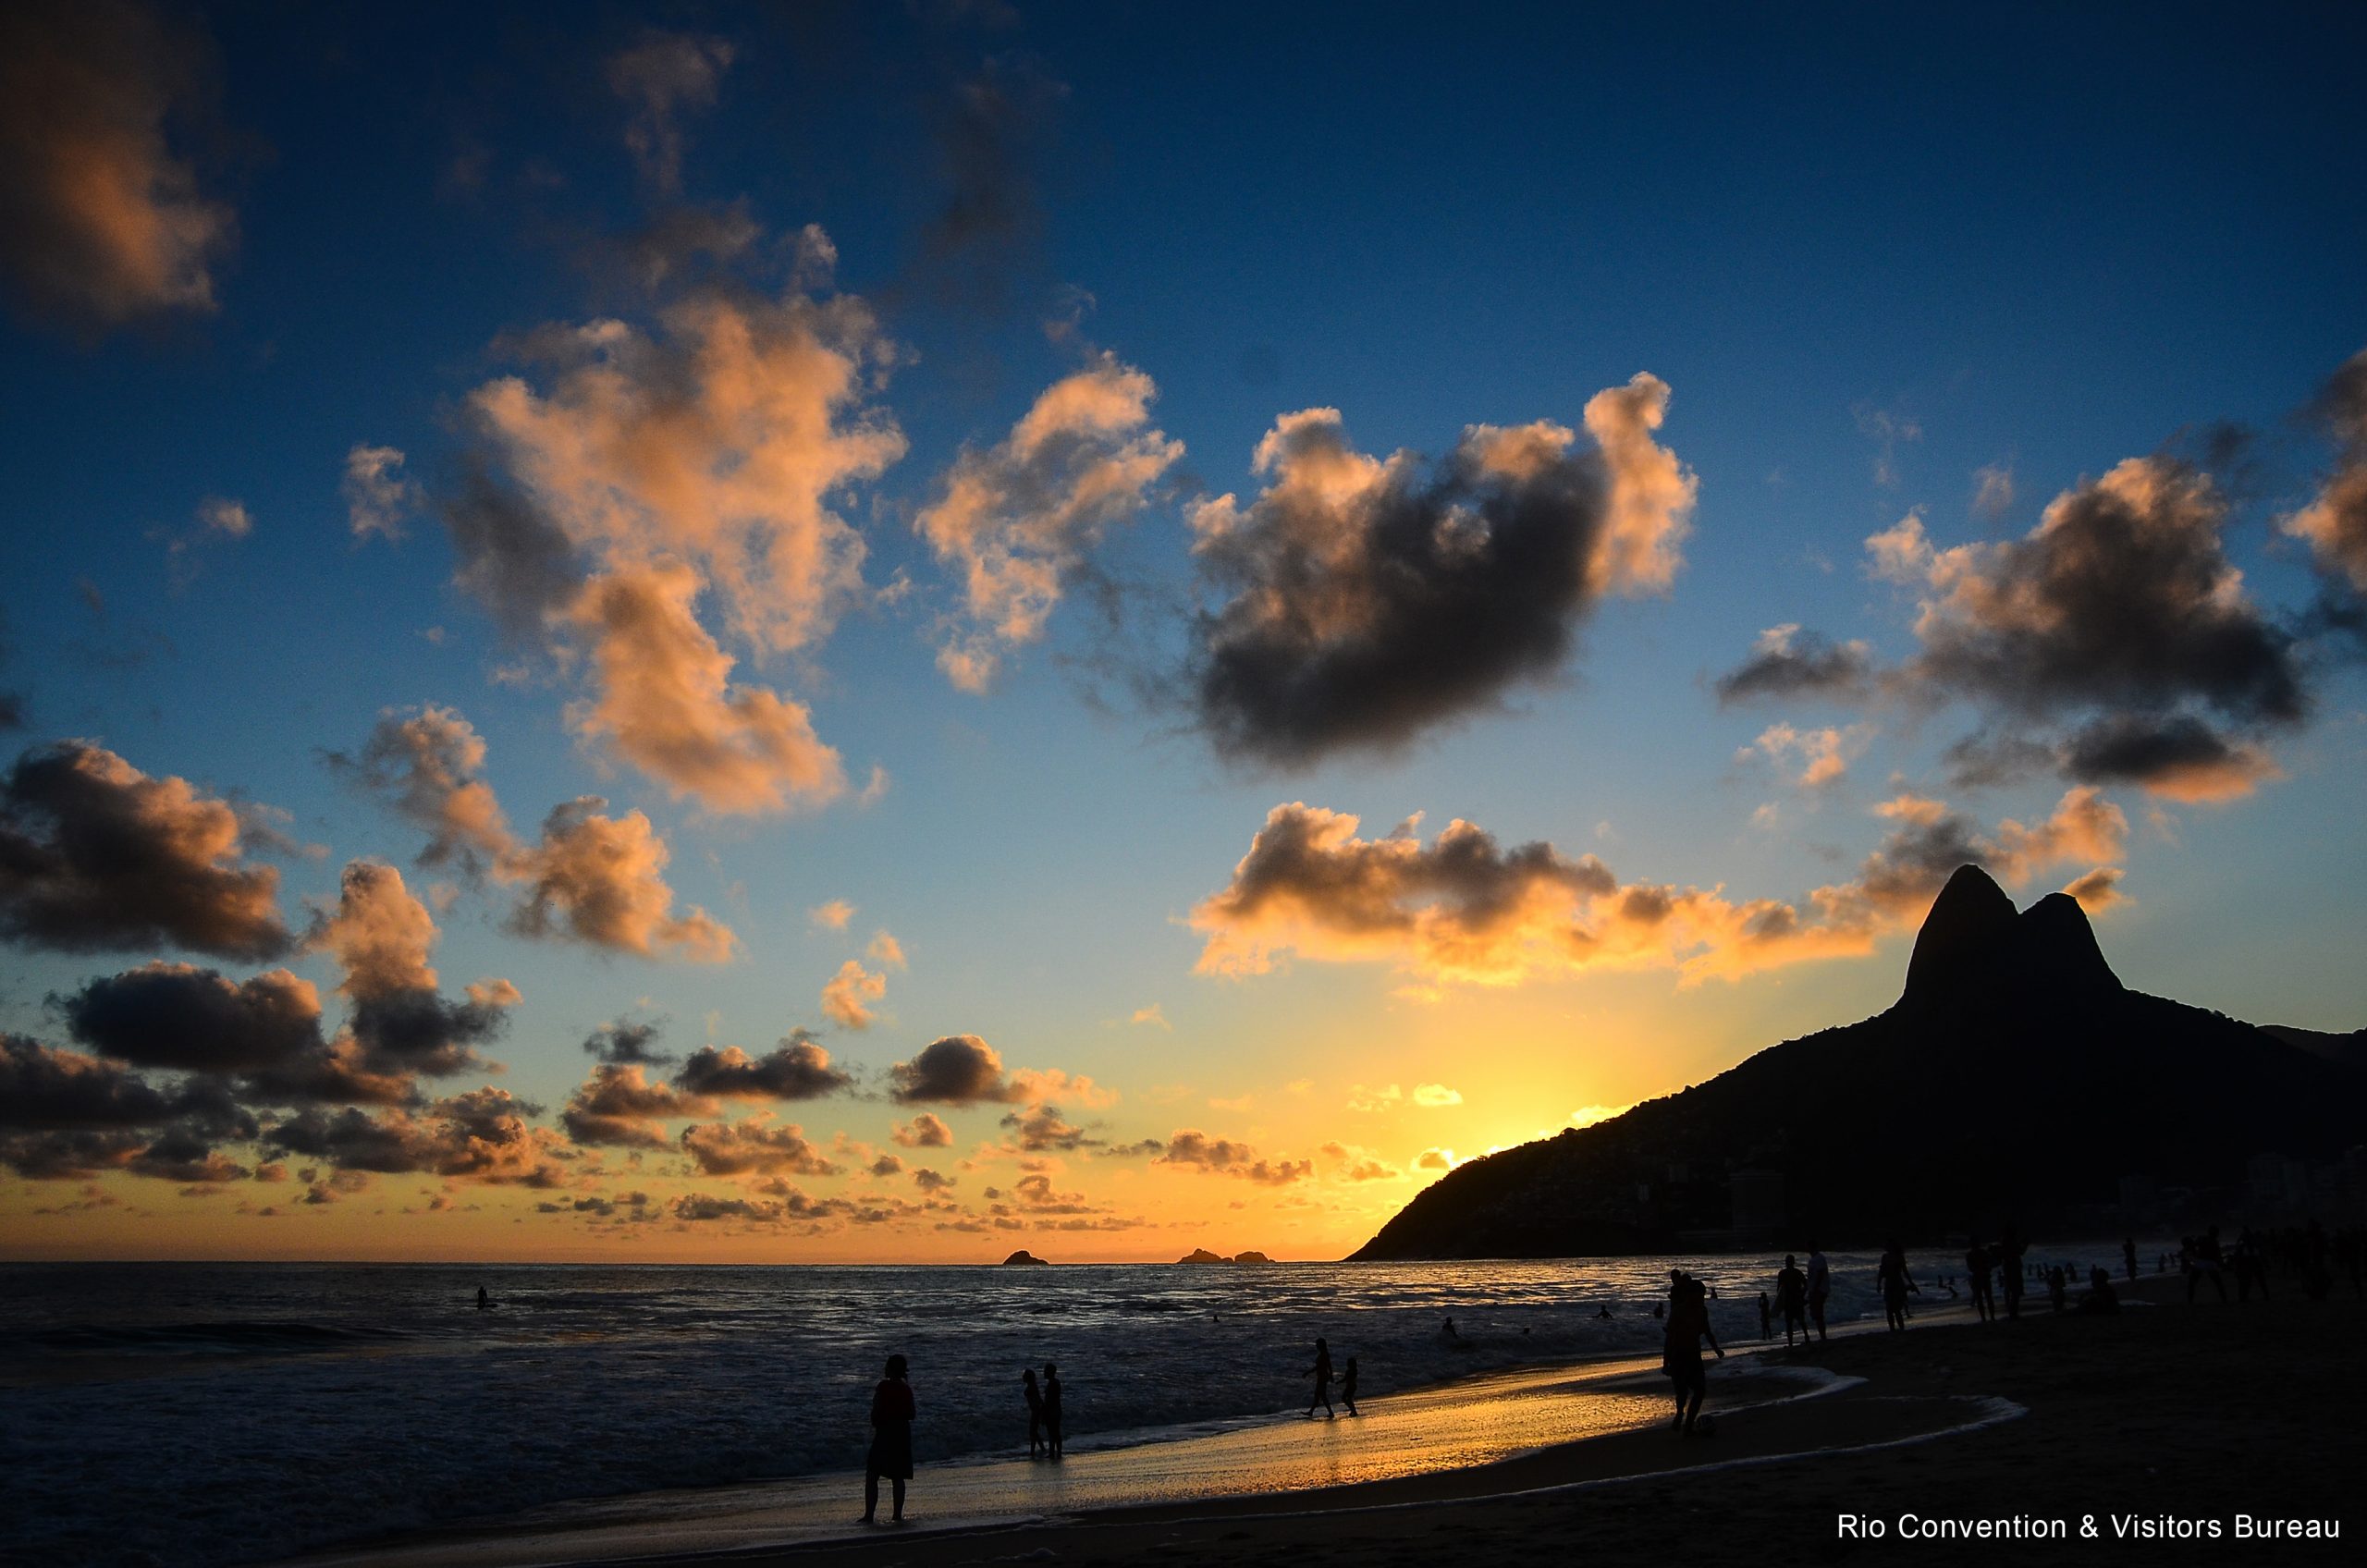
column 2038, row 242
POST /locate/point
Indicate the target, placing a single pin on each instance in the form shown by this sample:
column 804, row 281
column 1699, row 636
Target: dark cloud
column 482, row 1135
column 339, row 1072
column 46, row 1090
column 619, row 1106
column 2122, row 597
column 514, row 557
column 1787, row 662
column 63, row 1155
column 622, row 1042
column 63, row 1114
column 992, row 131
column 1367, row 600
column 2178, row 755
column 793, row 1204
column 1456, row 899
column 95, row 855
column 956, row 1070
column 183, row 1155
column 102, row 221
column 176, row 1015
column 419, row 1031
column 1043, row 1128
column 1195, row 1149
column 737, row 1148
column 659, row 76
column 2115, row 640
column 797, row 1069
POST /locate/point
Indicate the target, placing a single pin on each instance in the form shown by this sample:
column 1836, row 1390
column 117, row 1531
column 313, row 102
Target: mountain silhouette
column 2015, row 1083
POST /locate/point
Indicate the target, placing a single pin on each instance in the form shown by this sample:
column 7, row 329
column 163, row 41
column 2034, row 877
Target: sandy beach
column 2201, row 1412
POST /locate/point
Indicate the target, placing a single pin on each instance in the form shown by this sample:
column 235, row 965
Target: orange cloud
column 847, row 996
column 1465, row 910
column 101, row 222
column 666, row 701
column 599, row 879
column 1017, row 519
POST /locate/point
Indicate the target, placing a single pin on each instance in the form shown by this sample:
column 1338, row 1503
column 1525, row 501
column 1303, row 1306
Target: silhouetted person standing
column 1052, row 1417
column 2203, row 1262
column 1321, row 1373
column 1895, row 1283
column 2010, row 1265
column 891, row 1441
column 1976, row 1268
column 2129, row 1257
column 1348, row 1387
column 1766, row 1318
column 1034, row 1412
column 1792, row 1298
column 2056, row 1283
column 1688, row 1324
column 484, row 1302
column 1820, row 1286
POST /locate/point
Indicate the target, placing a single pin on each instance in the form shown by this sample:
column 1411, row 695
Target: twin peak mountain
column 2015, row 1084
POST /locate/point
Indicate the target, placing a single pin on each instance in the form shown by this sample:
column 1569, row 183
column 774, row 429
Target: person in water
column 1034, row 1412
column 1792, row 1295
column 1446, row 1330
column 1321, row 1373
column 1052, row 1448
column 891, row 1441
column 1688, row 1324
column 1895, row 1283
column 1348, row 1388
column 484, row 1302
column 1976, row 1268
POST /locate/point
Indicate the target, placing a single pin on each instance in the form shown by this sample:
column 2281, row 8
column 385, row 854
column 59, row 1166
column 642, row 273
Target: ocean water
column 212, row 1414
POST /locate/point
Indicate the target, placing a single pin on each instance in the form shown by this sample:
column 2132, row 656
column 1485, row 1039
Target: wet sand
column 2197, row 1412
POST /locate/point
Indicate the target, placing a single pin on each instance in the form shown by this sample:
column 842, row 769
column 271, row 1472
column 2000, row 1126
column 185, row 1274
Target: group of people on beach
column 1798, row 1298
column 893, row 1409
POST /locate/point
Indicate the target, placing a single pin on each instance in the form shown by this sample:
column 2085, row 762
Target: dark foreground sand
column 2196, row 1412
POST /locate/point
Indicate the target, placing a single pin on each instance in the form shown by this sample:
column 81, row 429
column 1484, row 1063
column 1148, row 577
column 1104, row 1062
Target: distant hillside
column 2013, row 1080
column 2348, row 1050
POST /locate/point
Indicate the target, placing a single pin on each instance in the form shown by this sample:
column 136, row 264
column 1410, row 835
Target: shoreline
column 1502, row 1432
column 2161, row 1410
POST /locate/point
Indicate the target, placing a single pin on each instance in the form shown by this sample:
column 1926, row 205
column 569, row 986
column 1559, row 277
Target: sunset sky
column 896, row 631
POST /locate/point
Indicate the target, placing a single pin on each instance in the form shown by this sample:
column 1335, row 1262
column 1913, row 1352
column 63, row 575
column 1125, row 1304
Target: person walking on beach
column 1688, row 1324
column 1321, row 1373
column 2129, row 1256
column 1792, row 1296
column 2014, row 1271
column 891, row 1441
column 1976, row 1270
column 1895, row 1283
column 1348, row 1387
column 1052, row 1449
column 1820, row 1286
column 1034, row 1412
